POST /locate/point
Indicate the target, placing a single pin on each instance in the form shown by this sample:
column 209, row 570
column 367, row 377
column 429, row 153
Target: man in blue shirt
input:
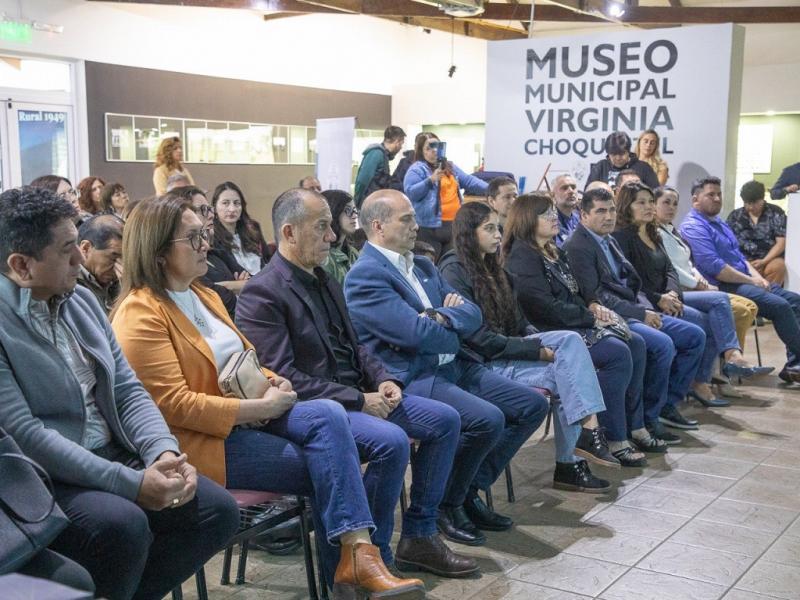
column 718, row 258
column 565, row 196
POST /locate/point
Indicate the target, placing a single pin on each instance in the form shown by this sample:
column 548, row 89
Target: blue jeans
column 436, row 426
column 711, row 311
column 780, row 306
column 310, row 451
column 135, row 553
column 673, row 357
column 620, row 372
column 497, row 416
column 571, row 377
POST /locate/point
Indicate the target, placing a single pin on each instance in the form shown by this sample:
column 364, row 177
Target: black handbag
column 29, row 517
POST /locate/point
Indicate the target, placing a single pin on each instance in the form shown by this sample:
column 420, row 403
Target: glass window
column 298, row 145
column 119, row 137
column 239, row 137
column 29, row 74
column 312, row 146
column 171, row 128
column 217, row 142
column 43, row 143
column 194, row 148
column 146, row 138
column 280, row 144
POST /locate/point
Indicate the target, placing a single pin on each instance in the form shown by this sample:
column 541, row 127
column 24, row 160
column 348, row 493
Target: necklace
column 193, row 312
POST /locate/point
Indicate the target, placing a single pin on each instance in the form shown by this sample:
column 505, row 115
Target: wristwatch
column 431, row 313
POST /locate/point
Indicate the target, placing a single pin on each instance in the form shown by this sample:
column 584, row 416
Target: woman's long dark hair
column 523, row 220
column 249, row 230
column 337, row 200
column 493, row 292
column 626, row 195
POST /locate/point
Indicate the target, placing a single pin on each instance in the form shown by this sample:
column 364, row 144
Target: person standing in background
column 169, row 161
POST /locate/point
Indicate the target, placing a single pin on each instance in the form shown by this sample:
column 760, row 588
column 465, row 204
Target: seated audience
column 309, row 182
column 434, row 188
column 221, row 275
column 788, row 182
column 618, row 158
column 295, row 314
column 142, row 521
column 177, row 180
column 100, row 242
column 424, row 249
column 638, row 237
column 345, row 222
column 408, row 316
column 235, row 233
column 114, row 200
column 674, row 347
column 627, row 176
column 549, row 297
column 500, row 195
column 169, row 161
column 557, row 360
column 717, row 256
column 680, row 255
column 89, row 194
column 373, row 172
column 62, row 187
column 760, row 228
column 177, row 337
column 565, row 195
column 648, row 150
column 405, row 163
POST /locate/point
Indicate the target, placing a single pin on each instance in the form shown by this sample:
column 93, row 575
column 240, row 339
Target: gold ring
column 176, row 501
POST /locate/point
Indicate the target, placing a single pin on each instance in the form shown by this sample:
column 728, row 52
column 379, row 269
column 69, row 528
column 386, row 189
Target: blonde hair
column 655, row 160
column 164, row 155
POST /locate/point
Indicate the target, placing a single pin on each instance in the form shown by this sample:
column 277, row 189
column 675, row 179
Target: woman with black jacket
column 620, row 158
column 549, row 297
column 557, row 361
column 640, row 241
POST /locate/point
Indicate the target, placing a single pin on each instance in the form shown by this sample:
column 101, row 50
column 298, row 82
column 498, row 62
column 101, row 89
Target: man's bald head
column 389, row 220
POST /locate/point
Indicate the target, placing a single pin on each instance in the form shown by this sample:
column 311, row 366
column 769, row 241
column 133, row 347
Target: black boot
column 576, row 477
column 454, row 524
column 592, row 446
column 485, row 519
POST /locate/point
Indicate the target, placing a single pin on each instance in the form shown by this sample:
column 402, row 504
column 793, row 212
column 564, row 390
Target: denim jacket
column 424, row 194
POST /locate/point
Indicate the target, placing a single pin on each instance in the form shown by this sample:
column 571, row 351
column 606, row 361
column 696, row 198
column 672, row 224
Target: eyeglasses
column 350, row 211
column 195, row 239
column 204, row 210
column 551, row 214
column 68, row 193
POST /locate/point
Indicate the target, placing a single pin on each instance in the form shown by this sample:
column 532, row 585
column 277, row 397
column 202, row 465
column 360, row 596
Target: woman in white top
column 235, row 232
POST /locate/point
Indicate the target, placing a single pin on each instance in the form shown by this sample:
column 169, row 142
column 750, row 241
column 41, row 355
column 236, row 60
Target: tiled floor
column 715, row 518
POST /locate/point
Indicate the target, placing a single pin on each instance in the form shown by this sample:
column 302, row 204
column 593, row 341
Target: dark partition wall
column 128, row 90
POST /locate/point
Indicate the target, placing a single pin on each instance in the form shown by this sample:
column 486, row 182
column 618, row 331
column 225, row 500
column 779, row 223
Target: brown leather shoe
column 361, row 574
column 432, row 554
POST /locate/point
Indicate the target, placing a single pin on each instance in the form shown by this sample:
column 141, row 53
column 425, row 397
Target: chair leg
column 243, row 549
column 323, row 585
column 177, row 593
column 510, row 485
column 307, row 556
column 200, row 581
column 758, row 347
column 226, row 566
column 403, row 498
column 489, row 500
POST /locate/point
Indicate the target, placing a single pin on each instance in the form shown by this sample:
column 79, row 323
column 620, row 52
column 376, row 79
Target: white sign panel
column 553, row 101
column 334, row 152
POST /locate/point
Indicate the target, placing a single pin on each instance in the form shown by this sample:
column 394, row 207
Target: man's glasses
column 350, row 211
column 195, row 239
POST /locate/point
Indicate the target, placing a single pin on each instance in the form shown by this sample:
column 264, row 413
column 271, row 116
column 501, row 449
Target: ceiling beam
column 634, row 15
column 465, row 27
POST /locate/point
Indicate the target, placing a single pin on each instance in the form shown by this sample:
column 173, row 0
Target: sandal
column 628, row 457
column 653, row 445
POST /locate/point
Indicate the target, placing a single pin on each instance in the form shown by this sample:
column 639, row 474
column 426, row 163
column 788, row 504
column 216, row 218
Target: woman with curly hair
column 235, row 233
column 344, row 224
column 557, row 360
column 89, row 194
column 639, row 238
column 648, row 151
column 169, row 161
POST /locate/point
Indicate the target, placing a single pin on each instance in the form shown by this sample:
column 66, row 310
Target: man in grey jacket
column 142, row 521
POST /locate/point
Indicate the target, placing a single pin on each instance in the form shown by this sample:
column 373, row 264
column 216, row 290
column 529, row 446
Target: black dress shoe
column 671, row 417
column 592, row 446
column 576, row 477
column 432, row 554
column 658, row 431
column 790, row 374
column 709, row 403
column 482, row 517
column 454, row 524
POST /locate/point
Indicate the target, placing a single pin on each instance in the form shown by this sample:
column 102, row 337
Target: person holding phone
column 434, row 184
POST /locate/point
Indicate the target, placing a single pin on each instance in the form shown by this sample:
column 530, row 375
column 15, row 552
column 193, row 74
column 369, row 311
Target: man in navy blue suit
column 788, row 182
column 410, row 317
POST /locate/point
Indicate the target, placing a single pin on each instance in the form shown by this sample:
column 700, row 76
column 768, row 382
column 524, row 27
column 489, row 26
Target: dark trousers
column 135, row 553
column 497, row 416
column 55, row 567
column 441, row 238
column 780, row 306
column 620, row 372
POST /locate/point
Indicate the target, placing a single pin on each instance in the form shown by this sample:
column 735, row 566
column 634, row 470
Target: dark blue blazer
column 385, row 312
column 597, row 281
column 276, row 314
column 789, row 175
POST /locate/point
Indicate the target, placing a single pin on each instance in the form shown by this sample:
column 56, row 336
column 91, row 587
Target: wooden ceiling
column 505, row 20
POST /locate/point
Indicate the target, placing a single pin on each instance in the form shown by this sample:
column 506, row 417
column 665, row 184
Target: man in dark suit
column 295, row 316
column 409, row 316
column 674, row 347
column 788, row 182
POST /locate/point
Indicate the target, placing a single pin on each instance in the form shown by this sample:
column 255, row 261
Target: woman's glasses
column 195, row 239
column 204, row 210
column 351, row 211
column 550, row 214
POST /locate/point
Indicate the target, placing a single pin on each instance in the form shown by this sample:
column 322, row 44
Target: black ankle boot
column 485, row 519
column 576, row 477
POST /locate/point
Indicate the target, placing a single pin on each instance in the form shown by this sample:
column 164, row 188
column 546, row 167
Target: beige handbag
column 242, row 377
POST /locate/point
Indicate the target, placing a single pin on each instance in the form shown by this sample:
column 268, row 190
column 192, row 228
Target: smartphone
column 441, row 154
